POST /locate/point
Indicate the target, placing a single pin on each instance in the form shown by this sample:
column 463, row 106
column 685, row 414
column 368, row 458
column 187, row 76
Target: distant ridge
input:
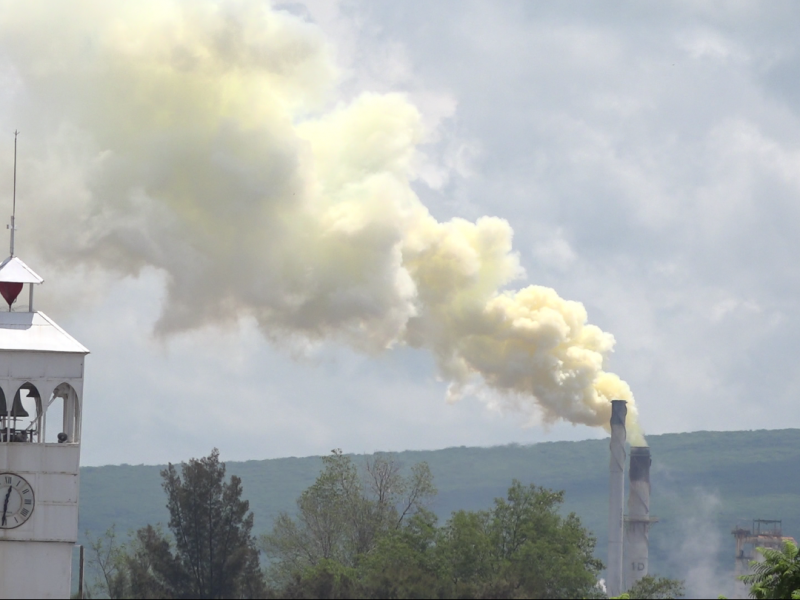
column 704, row 483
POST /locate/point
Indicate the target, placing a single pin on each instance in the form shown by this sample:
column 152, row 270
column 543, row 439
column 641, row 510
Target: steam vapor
column 202, row 138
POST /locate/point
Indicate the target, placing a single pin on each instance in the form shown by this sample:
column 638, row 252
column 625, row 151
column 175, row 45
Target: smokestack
column 619, row 409
column 637, row 533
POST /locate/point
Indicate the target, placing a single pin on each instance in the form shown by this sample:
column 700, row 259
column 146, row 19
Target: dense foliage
column 342, row 515
column 357, row 533
column 752, row 474
column 371, row 536
column 655, row 588
column 778, row 575
column 210, row 553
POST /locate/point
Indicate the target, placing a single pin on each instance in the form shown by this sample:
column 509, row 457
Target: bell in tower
column 16, row 409
column 8, row 419
column 41, row 371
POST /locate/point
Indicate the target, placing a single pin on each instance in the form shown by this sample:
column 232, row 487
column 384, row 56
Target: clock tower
column 41, row 401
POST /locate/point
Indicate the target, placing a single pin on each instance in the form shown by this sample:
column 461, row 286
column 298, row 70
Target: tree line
column 366, row 531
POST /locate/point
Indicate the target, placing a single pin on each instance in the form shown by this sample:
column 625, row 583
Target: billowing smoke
column 204, row 139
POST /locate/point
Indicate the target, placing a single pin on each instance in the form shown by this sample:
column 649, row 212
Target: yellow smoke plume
column 205, row 139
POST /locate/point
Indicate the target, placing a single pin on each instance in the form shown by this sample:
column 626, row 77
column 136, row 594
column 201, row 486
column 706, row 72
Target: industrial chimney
column 619, row 410
column 638, row 522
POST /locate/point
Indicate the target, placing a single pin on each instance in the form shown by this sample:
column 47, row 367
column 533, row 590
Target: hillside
column 704, row 483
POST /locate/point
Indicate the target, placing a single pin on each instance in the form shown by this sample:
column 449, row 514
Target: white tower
column 41, row 394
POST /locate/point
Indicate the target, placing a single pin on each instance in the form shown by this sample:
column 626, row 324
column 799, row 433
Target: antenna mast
column 13, row 227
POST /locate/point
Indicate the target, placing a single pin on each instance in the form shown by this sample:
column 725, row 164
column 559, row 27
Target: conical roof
column 13, row 270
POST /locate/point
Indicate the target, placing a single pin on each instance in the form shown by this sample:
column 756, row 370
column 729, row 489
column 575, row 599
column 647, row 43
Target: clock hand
column 5, row 505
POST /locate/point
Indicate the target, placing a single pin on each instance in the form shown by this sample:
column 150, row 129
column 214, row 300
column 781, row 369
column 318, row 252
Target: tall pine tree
column 210, row 554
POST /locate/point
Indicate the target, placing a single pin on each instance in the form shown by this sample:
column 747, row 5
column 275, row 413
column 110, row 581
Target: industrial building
column 764, row 533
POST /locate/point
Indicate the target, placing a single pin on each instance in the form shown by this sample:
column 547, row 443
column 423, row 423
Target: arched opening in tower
column 62, row 417
column 21, row 421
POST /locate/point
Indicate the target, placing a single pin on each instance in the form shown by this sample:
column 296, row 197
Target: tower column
column 619, row 411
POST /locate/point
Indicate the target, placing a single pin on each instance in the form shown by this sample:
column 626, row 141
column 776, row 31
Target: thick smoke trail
column 203, row 138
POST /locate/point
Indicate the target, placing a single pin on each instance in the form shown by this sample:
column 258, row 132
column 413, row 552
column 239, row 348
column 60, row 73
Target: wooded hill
column 704, row 484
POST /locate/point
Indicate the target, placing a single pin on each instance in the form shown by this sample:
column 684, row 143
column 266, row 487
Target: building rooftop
column 35, row 332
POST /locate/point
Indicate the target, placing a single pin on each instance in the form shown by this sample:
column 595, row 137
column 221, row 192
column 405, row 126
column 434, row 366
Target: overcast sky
column 647, row 157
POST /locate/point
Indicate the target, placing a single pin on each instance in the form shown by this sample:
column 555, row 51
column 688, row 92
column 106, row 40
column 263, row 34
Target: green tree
column 343, row 514
column 778, row 575
column 406, row 563
column 522, row 548
column 212, row 527
column 652, row 587
column 143, row 567
column 211, row 552
column 367, row 534
column 466, row 544
column 327, row 579
column 150, row 569
column 102, row 561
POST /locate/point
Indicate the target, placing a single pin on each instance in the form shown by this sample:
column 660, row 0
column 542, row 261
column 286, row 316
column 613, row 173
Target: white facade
column 41, row 402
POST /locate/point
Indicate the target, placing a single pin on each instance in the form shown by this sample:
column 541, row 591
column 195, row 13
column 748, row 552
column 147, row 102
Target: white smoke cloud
column 205, row 139
column 693, row 553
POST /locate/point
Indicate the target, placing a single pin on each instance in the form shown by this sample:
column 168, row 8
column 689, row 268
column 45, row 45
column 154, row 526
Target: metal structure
column 637, row 523
column 765, row 533
column 614, row 573
column 13, row 225
column 41, row 401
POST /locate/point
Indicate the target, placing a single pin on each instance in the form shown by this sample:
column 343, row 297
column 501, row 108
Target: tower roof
column 35, row 332
column 13, row 270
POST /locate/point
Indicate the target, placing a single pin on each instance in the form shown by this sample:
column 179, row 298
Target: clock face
column 16, row 500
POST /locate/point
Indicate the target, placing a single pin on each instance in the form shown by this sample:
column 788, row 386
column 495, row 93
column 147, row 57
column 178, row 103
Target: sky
column 646, row 157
